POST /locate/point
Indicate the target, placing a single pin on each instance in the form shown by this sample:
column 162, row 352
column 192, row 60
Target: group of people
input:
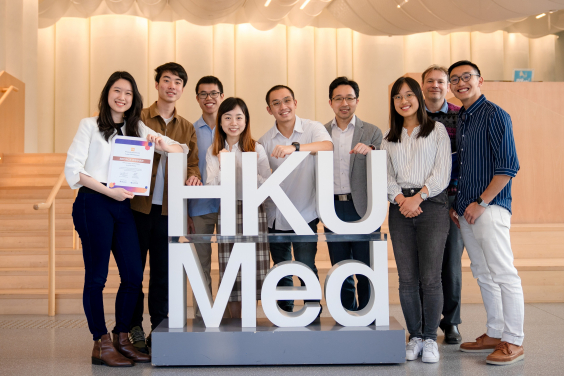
column 449, row 185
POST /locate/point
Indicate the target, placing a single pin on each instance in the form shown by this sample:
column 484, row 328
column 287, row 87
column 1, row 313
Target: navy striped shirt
column 485, row 148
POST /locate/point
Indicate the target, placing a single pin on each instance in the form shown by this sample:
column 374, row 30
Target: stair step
column 33, row 158
column 30, row 181
column 31, row 239
column 14, row 170
column 35, row 193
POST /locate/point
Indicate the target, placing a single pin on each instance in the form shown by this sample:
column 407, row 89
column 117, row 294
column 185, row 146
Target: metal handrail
column 7, row 92
column 50, row 205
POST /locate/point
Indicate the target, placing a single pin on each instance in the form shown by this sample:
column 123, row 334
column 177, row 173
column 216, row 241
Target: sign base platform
column 322, row 342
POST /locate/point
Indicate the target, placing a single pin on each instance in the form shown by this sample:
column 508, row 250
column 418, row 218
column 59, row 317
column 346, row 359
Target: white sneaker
column 430, row 351
column 413, row 348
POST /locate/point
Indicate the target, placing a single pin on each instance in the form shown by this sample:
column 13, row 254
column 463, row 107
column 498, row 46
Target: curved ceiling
column 372, row 17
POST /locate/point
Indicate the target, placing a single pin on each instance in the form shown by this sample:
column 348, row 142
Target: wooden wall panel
column 12, row 115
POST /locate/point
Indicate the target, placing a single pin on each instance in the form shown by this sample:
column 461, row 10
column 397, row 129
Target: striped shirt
column 485, row 148
column 416, row 162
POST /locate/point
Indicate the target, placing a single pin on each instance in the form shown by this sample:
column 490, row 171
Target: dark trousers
column 419, row 245
column 303, row 252
column 152, row 230
column 106, row 225
column 451, row 275
column 360, row 251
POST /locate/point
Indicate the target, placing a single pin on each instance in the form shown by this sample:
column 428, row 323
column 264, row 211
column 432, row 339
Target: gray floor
column 62, row 346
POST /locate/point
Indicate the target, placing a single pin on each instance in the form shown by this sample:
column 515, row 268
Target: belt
column 410, row 192
column 88, row 190
column 345, row 197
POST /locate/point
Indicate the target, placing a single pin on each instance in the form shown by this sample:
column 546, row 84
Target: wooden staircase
column 27, row 179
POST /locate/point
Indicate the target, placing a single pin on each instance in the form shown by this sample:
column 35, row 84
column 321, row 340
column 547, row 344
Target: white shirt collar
column 298, row 127
column 351, row 123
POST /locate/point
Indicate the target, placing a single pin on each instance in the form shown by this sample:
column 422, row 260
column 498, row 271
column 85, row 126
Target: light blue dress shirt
column 205, row 137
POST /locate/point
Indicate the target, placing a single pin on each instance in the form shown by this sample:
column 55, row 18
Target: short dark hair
column 278, row 87
column 173, row 68
column 212, row 80
column 463, row 62
column 339, row 81
column 396, row 120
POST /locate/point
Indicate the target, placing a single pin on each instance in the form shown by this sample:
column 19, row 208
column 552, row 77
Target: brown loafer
column 506, row 353
column 484, row 343
column 104, row 352
column 126, row 348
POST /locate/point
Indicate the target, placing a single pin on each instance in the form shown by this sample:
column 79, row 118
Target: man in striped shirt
column 487, row 161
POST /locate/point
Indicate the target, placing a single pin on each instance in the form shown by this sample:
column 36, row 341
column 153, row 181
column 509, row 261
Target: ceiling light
column 267, row 3
column 540, row 15
column 304, row 4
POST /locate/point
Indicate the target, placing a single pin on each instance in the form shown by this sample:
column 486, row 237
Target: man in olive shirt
column 151, row 212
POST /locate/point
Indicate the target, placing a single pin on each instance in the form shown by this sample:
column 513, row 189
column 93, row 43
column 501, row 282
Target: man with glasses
column 291, row 133
column 352, row 140
column 434, row 83
column 151, row 212
column 203, row 212
column 487, row 161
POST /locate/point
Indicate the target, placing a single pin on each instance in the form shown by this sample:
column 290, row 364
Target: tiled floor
column 64, row 348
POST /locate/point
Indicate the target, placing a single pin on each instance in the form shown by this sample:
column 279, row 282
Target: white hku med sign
column 183, row 259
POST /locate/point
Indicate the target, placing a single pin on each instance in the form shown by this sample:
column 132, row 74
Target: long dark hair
column 246, row 142
column 105, row 120
column 396, row 120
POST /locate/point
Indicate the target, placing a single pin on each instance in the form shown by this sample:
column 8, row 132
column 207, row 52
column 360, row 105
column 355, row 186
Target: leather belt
column 410, row 192
column 88, row 190
column 345, row 197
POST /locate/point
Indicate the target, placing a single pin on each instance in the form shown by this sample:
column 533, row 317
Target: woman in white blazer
column 103, row 219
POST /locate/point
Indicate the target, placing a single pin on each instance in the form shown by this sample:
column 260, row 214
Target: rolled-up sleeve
column 393, row 187
column 145, row 130
column 502, row 144
column 77, row 155
column 439, row 178
column 213, row 176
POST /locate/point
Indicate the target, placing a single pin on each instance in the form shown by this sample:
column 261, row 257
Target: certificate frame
column 131, row 164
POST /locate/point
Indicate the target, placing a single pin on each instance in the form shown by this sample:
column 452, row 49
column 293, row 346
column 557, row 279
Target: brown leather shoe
column 506, row 353
column 126, row 348
column 484, row 343
column 104, row 352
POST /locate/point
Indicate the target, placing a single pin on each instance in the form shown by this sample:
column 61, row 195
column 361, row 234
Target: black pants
column 106, row 225
column 360, row 251
column 152, row 230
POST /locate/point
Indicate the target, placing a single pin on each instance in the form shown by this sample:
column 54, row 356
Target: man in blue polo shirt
column 487, row 161
column 203, row 212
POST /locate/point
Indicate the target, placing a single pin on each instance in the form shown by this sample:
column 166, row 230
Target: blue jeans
column 303, row 252
column 360, row 251
column 106, row 225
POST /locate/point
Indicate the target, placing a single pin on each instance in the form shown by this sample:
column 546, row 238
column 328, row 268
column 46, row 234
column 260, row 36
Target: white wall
column 76, row 56
column 18, row 56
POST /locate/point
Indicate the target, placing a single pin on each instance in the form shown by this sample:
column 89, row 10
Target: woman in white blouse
column 233, row 135
column 103, row 219
column 419, row 164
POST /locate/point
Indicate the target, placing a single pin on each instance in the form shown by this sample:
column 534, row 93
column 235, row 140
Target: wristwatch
column 482, row 203
column 296, row 145
column 423, row 195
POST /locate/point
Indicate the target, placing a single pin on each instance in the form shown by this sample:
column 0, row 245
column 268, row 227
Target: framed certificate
column 131, row 164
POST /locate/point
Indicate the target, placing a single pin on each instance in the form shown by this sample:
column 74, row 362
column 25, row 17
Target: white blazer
column 89, row 152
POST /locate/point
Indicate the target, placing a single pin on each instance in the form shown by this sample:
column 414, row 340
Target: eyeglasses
column 350, row 100
column 408, row 96
column 465, row 78
column 204, row 95
column 287, row 101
